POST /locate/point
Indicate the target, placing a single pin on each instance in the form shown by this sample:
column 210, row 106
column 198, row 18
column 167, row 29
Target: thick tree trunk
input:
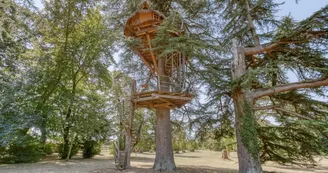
column 164, row 160
column 247, row 142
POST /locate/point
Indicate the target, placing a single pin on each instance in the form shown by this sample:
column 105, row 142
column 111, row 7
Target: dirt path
column 197, row 162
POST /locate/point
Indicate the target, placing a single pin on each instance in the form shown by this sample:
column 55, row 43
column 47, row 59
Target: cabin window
column 156, row 17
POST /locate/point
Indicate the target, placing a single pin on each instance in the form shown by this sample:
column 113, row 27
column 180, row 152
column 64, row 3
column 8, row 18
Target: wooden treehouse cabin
column 168, row 90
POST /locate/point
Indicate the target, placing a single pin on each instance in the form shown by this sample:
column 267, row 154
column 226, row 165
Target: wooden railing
column 166, row 83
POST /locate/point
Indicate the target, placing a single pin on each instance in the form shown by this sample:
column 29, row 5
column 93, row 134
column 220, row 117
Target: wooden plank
column 147, row 64
column 152, row 54
column 145, row 98
column 161, row 105
column 146, row 31
column 171, row 97
column 168, row 101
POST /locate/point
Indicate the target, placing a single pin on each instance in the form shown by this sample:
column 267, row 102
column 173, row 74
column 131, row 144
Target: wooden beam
column 168, row 101
column 145, row 98
column 152, row 53
column 151, row 69
column 171, row 97
column 145, row 31
column 161, row 105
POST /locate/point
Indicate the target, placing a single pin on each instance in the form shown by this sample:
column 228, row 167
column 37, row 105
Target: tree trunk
column 128, row 137
column 66, row 135
column 246, row 135
column 164, row 160
column 43, row 129
column 225, row 154
column 70, row 148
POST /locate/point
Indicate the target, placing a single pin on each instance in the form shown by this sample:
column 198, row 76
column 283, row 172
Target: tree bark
column 164, row 160
column 251, row 24
column 66, row 135
column 43, row 129
column 225, row 154
column 128, row 137
column 288, row 87
column 247, row 142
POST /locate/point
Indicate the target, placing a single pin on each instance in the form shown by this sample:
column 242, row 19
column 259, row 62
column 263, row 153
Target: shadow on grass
column 142, row 159
column 146, row 153
column 191, row 157
column 181, row 169
column 301, row 168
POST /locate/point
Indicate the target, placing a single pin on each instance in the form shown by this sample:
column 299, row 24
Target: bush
column 91, row 148
column 112, row 149
column 24, row 150
column 192, row 146
column 49, row 148
column 152, row 149
column 176, row 147
column 63, row 154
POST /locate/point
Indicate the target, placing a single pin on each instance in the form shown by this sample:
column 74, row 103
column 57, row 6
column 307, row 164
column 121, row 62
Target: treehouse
column 168, row 90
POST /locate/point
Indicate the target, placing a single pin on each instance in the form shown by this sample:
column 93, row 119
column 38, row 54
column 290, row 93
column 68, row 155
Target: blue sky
column 302, row 10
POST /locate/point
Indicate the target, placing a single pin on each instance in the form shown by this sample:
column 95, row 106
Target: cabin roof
column 144, row 8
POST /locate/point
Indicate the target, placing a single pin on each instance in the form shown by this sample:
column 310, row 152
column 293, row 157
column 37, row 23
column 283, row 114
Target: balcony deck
column 161, row 99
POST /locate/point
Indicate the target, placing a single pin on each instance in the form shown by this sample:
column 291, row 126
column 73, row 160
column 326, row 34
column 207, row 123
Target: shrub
column 24, row 150
column 112, row 149
column 49, row 148
column 176, row 147
column 91, row 148
column 63, row 154
column 192, row 146
column 152, row 149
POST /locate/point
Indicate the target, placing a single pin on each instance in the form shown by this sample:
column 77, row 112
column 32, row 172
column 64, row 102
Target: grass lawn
column 196, row 162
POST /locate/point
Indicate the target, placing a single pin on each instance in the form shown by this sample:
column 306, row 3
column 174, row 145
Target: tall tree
column 81, row 45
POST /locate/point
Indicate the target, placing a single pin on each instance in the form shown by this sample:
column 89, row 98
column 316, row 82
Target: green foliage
column 112, row 148
column 248, row 130
column 192, row 145
column 152, row 149
column 212, row 144
column 23, row 150
column 91, row 148
column 49, row 148
column 63, row 154
column 293, row 143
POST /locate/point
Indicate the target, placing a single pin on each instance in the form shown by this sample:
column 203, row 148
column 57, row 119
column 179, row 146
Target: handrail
column 161, row 82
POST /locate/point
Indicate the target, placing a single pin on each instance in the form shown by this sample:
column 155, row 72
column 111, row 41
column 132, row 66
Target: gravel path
column 196, row 162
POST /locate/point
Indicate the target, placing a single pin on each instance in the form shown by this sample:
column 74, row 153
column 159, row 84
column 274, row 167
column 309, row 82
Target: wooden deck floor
column 161, row 99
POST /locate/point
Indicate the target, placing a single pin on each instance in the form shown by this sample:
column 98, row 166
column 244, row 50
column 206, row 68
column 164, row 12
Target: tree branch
column 283, row 110
column 288, row 87
column 268, row 47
